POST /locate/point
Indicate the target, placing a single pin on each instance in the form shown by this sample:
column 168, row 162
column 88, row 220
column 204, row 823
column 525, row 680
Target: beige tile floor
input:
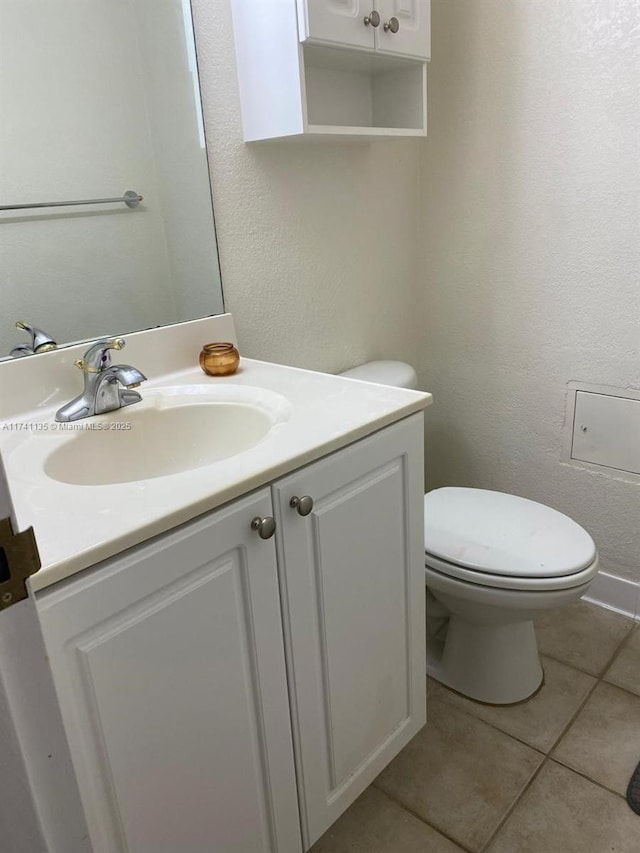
column 546, row 776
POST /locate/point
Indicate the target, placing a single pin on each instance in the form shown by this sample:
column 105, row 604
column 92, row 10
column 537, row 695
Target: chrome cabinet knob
column 264, row 527
column 372, row 19
column 391, row 26
column 303, row 505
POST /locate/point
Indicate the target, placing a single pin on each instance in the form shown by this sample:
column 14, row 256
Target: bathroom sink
column 173, row 430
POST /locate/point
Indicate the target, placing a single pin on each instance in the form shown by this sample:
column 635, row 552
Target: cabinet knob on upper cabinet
column 303, row 505
column 372, row 19
column 264, row 527
column 391, row 26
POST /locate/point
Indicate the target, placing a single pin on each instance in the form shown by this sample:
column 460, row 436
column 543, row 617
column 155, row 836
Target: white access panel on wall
column 606, row 431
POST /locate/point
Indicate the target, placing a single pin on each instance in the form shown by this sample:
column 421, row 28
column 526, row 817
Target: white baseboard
column 615, row 593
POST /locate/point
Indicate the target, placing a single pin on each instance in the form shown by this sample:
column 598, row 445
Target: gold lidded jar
column 219, row 359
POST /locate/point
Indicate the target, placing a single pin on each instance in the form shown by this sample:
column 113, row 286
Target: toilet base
column 496, row 664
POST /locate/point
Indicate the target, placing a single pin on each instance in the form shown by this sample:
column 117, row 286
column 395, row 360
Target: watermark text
column 73, row 426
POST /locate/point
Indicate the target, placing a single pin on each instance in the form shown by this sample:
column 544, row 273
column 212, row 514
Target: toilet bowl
column 493, row 563
column 496, row 562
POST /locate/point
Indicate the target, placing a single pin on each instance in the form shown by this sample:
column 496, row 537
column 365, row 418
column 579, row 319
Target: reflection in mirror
column 100, row 97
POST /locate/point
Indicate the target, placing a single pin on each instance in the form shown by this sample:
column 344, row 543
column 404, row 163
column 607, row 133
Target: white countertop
column 78, row 526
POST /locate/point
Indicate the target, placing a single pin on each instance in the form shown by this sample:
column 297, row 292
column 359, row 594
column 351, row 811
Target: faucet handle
column 97, row 358
column 82, row 364
column 40, row 341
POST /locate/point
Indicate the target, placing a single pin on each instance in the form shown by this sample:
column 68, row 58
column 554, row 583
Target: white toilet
column 493, row 562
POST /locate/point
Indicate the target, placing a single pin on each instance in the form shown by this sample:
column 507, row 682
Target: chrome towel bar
column 130, row 198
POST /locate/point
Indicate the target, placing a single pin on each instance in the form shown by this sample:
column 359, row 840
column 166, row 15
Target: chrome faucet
column 40, row 341
column 107, row 386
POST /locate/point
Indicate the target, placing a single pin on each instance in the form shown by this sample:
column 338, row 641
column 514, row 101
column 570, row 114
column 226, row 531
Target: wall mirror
column 99, row 98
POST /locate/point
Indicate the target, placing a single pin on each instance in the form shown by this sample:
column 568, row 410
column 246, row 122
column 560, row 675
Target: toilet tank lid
column 502, row 534
column 396, row 373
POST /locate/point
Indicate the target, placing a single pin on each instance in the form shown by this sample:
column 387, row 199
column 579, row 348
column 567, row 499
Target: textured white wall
column 514, row 272
column 318, row 242
column 530, row 180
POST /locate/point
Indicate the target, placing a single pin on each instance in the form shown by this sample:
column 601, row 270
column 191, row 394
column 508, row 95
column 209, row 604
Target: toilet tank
column 396, row 373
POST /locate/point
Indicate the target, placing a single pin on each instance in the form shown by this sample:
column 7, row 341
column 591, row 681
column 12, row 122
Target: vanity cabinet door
column 401, row 27
column 410, row 34
column 340, row 22
column 170, row 672
column 352, row 580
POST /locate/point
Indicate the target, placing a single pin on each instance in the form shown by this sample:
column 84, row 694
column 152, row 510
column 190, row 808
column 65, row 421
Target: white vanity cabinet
column 216, row 698
column 352, row 576
column 169, row 668
column 400, row 27
column 313, row 69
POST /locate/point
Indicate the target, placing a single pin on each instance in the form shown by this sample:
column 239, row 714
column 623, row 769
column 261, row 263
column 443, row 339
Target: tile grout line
column 546, row 755
column 617, row 651
column 575, row 715
column 497, row 728
column 423, row 820
column 587, row 778
column 517, row 738
column 547, row 759
column 494, row 726
column 614, row 658
column 599, row 679
column 626, row 690
column 586, row 671
column 514, row 804
column 629, row 632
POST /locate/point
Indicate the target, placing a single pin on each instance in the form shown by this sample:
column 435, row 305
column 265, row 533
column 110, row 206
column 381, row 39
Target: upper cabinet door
column 352, row 572
column 340, row 22
column 169, row 666
column 405, row 27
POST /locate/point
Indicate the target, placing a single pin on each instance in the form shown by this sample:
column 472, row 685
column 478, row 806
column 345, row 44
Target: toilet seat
column 512, row 582
column 495, row 539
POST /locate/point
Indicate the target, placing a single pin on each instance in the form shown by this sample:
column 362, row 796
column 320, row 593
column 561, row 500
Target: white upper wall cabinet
column 412, row 34
column 332, row 68
column 344, row 22
column 400, row 27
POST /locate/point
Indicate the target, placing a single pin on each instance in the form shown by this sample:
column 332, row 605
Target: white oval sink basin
column 171, row 431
